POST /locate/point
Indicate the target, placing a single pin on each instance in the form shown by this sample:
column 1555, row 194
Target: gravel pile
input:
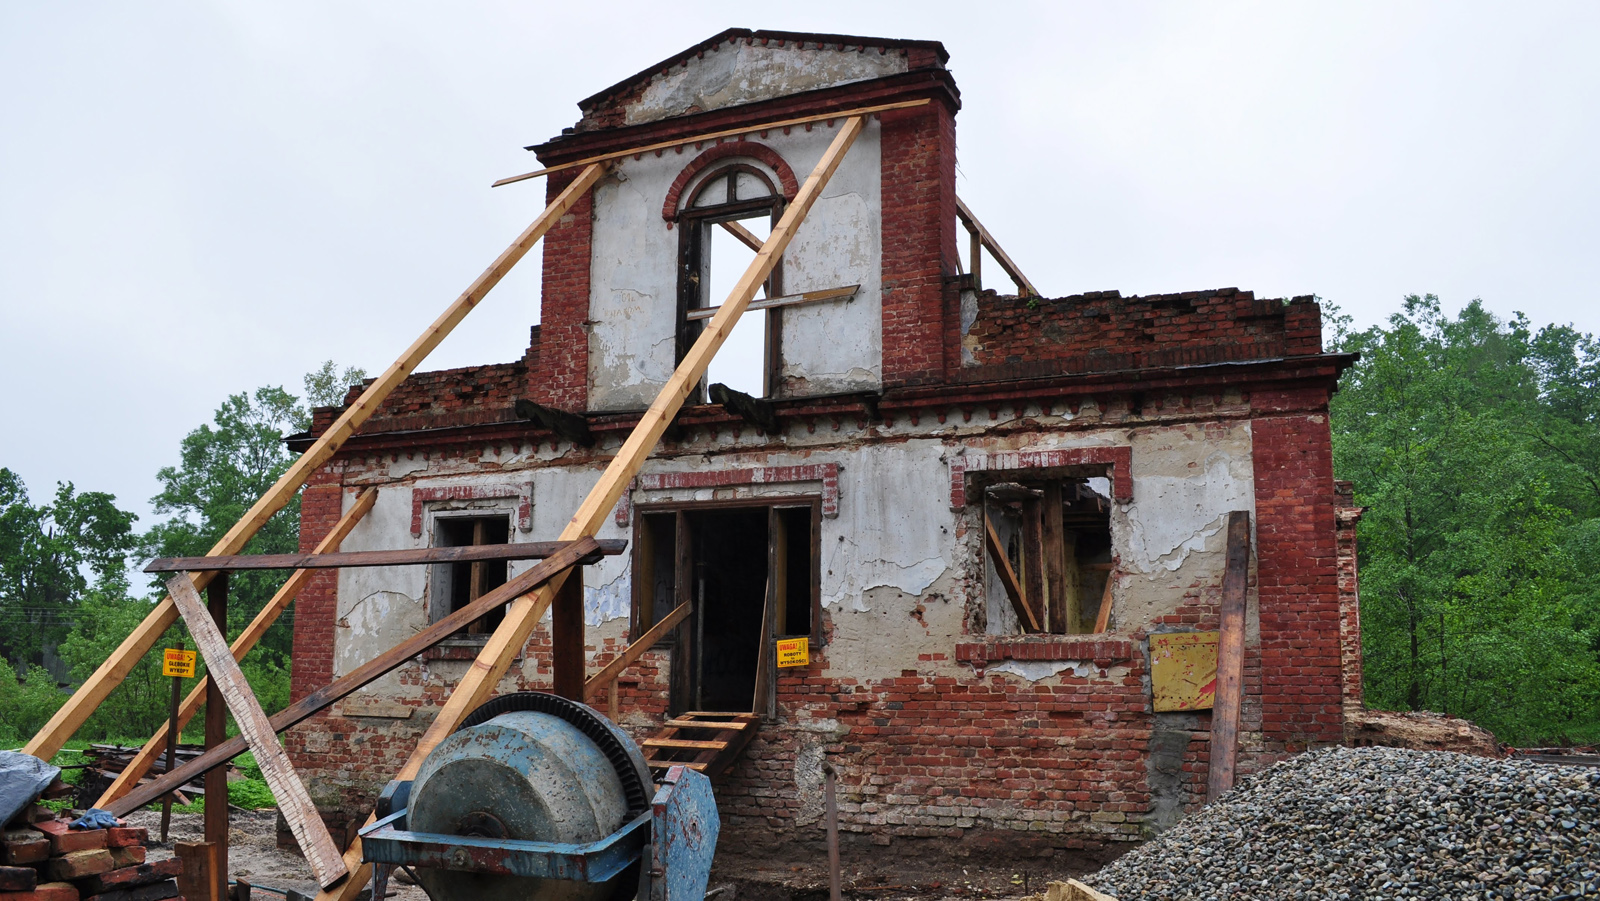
column 1380, row 823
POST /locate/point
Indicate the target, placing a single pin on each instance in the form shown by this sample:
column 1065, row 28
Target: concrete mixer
column 539, row 798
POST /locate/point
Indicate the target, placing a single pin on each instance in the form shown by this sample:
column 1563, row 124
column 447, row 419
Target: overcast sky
column 198, row 199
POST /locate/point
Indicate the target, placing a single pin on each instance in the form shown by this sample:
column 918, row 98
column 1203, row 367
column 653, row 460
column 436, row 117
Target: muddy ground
column 738, row 875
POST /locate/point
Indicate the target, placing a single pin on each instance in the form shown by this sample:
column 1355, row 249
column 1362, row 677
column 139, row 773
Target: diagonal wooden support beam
column 1230, row 659
column 631, row 654
column 513, row 632
column 110, row 674
column 993, row 246
column 142, row 761
column 294, row 802
column 308, row 706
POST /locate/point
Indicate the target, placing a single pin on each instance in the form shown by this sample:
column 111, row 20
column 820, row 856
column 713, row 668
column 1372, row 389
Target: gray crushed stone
column 1351, row 823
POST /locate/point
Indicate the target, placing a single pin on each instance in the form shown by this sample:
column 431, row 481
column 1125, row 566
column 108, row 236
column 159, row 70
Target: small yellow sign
column 1183, row 671
column 794, row 651
column 177, row 663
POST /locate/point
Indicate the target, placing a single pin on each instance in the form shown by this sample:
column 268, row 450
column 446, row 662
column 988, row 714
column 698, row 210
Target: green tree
column 51, row 555
column 1469, row 439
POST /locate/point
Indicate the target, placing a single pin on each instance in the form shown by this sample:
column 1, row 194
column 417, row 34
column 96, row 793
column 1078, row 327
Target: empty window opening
column 455, row 585
column 1047, row 555
column 749, row 573
column 726, row 219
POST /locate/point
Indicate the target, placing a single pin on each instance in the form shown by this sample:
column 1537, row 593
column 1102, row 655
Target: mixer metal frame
column 674, row 842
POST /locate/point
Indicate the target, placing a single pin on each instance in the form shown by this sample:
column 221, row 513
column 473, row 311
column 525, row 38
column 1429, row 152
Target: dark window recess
column 1048, row 552
column 750, row 573
column 459, row 584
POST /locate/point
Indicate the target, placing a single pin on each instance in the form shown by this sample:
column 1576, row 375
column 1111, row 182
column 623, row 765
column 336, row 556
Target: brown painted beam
column 1008, row 576
column 524, row 550
column 1230, row 659
column 566, row 639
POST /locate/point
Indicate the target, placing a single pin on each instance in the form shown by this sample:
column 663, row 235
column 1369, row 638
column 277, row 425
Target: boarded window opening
column 455, row 585
column 1047, row 555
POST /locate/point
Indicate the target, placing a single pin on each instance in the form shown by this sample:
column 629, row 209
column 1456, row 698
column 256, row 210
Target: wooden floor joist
column 524, row 613
column 156, row 746
column 116, row 667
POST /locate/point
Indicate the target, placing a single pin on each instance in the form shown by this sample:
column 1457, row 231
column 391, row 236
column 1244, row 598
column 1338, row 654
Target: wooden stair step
column 728, row 725
column 684, row 743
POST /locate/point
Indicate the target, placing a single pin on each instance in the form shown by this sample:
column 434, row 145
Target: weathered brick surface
column 157, row 891
column 18, row 879
column 919, row 242
column 64, row 840
column 321, row 505
column 1105, row 332
column 128, row 877
column 126, row 836
column 131, row 855
column 562, row 378
column 78, row 864
column 24, row 846
column 46, row 891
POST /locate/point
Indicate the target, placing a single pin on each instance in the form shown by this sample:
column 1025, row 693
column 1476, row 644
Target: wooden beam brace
column 525, row 612
column 759, row 413
column 1008, row 576
column 631, row 654
column 524, row 550
column 309, row 705
column 1230, row 659
column 746, row 236
column 142, row 761
column 848, row 292
column 570, row 426
column 714, row 135
column 110, row 674
column 993, row 246
column 294, row 802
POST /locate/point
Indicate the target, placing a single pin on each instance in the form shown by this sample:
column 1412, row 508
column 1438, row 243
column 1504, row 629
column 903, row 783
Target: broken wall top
column 741, row 66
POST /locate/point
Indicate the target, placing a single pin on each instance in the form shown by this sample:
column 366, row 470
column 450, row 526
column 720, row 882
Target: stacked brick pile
column 47, row 861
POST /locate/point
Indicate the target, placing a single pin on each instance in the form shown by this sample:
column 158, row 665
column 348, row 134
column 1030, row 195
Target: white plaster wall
column 830, row 347
column 731, row 74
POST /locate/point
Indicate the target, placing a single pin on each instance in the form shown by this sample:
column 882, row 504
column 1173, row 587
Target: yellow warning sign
column 794, row 651
column 1183, row 670
column 177, row 663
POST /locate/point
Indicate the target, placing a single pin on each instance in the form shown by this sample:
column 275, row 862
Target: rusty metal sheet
column 1183, row 670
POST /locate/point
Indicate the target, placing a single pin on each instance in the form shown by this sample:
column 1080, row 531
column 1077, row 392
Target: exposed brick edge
column 985, row 652
column 523, row 493
column 826, row 473
column 1119, row 458
column 731, row 149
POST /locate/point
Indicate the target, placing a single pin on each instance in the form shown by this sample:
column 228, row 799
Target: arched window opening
column 722, row 224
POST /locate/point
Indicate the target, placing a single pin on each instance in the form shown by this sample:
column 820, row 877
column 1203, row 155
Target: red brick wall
column 919, row 242
column 1298, row 572
column 1349, row 600
column 316, row 607
column 1106, row 332
column 562, row 377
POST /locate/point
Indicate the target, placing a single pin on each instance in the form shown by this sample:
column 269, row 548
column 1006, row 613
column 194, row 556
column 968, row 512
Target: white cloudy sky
column 201, row 198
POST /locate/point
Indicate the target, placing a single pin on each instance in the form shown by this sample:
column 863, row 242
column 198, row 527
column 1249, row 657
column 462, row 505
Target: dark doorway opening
column 731, row 595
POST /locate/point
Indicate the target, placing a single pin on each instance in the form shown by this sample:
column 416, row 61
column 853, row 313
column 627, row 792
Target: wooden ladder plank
column 684, row 743
column 294, row 802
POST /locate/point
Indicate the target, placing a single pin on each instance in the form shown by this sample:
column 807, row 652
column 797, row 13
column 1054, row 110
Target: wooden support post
column 1033, row 584
column 230, row 687
column 110, row 674
column 566, row 638
column 216, row 815
column 525, row 612
column 363, row 674
column 1103, row 620
column 172, row 748
column 142, row 761
column 1230, row 659
column 975, row 254
column 1061, row 602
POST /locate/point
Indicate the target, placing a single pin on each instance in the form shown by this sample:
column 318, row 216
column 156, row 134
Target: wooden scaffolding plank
column 1230, row 659
column 525, row 612
column 422, row 556
column 142, row 761
column 361, row 675
column 294, row 802
column 116, row 667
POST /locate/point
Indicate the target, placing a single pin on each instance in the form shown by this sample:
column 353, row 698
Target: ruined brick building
column 892, row 424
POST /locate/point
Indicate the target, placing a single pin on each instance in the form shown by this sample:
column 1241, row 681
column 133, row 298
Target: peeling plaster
column 887, row 534
column 1034, row 670
column 1185, row 482
column 746, row 73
